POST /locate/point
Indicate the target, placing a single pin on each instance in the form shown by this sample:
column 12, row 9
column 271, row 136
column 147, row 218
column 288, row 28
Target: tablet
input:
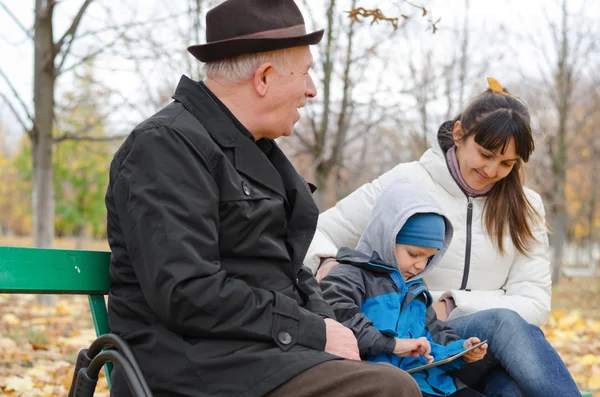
column 447, row 359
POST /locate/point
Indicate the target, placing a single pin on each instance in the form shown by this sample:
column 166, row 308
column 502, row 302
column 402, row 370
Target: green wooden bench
column 54, row 271
column 75, row 272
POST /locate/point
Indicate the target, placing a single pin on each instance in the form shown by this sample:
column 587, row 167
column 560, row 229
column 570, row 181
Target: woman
column 494, row 281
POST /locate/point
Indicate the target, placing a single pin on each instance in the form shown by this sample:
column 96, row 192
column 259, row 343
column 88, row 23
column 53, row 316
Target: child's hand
column 413, row 348
column 476, row 354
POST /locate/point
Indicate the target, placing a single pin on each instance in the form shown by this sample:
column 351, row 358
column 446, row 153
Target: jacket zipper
column 465, row 278
column 404, row 292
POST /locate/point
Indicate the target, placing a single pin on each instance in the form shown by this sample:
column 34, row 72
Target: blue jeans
column 520, row 361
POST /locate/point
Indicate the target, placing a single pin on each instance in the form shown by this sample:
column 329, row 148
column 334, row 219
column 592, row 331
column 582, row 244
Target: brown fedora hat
column 238, row 27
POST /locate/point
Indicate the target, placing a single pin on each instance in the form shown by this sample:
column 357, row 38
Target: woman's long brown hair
column 494, row 120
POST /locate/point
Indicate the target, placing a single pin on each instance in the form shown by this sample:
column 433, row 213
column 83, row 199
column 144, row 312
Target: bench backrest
column 56, row 271
column 53, row 271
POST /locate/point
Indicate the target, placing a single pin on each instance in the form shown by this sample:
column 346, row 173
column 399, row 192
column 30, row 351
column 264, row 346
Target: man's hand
column 340, row 340
column 413, row 348
column 476, row 354
column 325, row 269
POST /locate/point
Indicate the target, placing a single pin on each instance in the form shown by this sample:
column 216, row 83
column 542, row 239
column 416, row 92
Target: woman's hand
column 325, row 269
column 440, row 310
column 413, row 348
column 476, row 354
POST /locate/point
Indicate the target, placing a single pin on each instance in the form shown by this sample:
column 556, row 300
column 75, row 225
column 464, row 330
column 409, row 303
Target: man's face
column 288, row 93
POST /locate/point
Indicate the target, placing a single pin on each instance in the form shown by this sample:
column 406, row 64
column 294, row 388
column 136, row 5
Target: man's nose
column 311, row 89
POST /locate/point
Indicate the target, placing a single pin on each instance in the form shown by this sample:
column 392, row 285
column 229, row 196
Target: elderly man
column 208, row 223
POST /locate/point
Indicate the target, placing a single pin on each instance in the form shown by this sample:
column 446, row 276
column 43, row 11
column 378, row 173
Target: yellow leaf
column 11, row 319
column 588, row 359
column 568, row 321
column 495, row 86
column 18, row 384
column 37, row 372
column 594, row 382
column 62, row 307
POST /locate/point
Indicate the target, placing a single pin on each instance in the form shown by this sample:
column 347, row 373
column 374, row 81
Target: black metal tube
column 124, row 365
column 121, row 345
column 84, row 386
column 83, row 360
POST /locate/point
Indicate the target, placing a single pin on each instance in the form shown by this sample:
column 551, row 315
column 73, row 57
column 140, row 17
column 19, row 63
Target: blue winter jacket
column 370, row 296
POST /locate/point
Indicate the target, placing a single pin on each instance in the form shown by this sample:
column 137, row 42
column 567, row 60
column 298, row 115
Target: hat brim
column 233, row 47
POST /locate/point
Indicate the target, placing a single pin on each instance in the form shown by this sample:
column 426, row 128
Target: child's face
column 412, row 259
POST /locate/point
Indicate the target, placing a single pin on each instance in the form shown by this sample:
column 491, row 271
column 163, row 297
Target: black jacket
column 208, row 230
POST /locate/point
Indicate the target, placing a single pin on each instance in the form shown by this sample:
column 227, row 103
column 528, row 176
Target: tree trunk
column 464, row 57
column 321, row 179
column 564, row 85
column 43, row 98
column 592, row 206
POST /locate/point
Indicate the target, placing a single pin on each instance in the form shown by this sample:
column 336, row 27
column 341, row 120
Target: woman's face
column 480, row 167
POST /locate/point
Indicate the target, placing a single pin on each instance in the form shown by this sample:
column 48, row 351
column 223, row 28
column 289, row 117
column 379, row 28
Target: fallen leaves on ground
column 573, row 328
column 39, row 344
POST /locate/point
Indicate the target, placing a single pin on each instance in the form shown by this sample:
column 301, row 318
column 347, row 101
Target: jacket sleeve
column 528, row 286
column 344, row 289
column 315, row 303
column 343, row 224
column 440, row 332
column 168, row 205
column 440, row 352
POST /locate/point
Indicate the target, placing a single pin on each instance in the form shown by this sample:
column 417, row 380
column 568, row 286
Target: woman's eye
column 508, row 165
column 412, row 254
column 485, row 156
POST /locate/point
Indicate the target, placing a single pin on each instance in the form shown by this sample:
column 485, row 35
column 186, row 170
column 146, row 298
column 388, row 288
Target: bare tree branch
column 17, row 115
column 16, row 94
column 88, row 57
column 110, row 28
column 75, row 137
column 16, row 20
column 305, row 144
column 71, row 32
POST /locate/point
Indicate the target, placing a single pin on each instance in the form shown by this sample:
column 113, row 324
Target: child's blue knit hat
column 423, row 230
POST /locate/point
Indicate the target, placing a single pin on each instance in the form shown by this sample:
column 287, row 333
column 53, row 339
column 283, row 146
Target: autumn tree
column 565, row 67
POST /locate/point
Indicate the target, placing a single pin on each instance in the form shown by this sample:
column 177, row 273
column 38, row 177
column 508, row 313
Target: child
column 377, row 290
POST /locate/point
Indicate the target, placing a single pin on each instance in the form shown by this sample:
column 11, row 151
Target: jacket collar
column 249, row 159
column 414, row 289
column 434, row 161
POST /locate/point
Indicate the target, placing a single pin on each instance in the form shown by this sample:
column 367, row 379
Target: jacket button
column 245, row 188
column 285, row 338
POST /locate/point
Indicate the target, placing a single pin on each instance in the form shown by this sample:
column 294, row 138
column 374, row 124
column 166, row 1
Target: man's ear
column 457, row 133
column 262, row 77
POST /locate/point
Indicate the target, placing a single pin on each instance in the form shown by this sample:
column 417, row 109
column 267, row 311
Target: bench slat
column 53, row 271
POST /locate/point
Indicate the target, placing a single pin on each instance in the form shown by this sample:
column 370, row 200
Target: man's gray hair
column 242, row 67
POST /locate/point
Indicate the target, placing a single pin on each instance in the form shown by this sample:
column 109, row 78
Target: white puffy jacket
column 473, row 272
